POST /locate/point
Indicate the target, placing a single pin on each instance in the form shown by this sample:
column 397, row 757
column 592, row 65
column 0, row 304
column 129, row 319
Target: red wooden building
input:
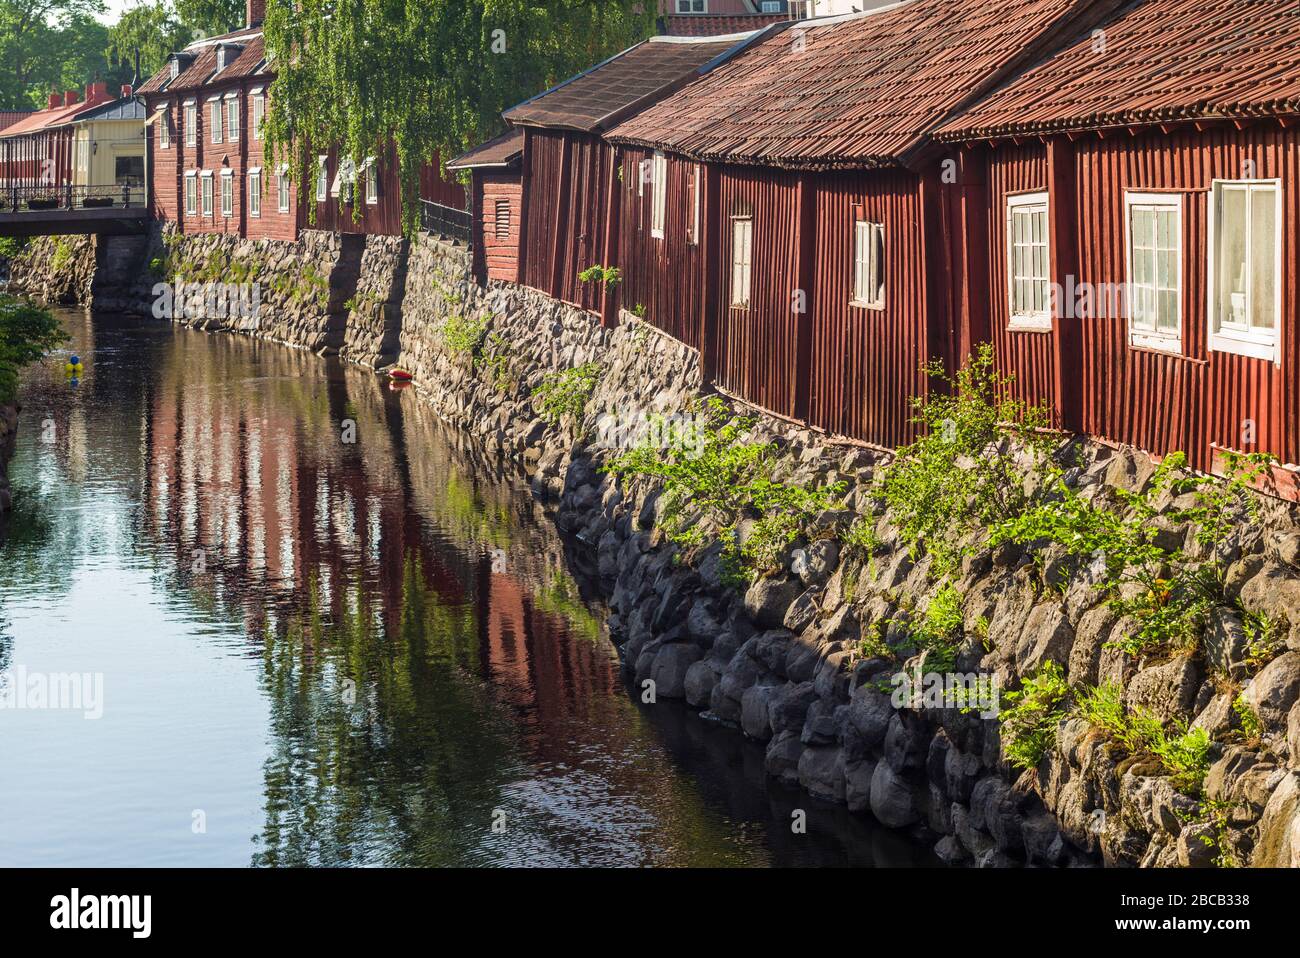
column 1150, row 171
column 496, row 199
column 570, row 177
column 36, row 147
column 797, row 226
column 207, row 163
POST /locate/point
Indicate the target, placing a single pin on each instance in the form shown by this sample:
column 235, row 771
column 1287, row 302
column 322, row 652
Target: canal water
column 259, row 609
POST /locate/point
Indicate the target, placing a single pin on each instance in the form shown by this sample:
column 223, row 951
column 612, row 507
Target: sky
column 113, row 10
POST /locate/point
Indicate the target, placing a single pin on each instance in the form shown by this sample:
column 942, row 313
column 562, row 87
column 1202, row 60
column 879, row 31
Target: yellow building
column 108, row 146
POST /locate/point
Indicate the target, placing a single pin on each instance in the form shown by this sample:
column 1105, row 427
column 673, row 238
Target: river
column 295, row 621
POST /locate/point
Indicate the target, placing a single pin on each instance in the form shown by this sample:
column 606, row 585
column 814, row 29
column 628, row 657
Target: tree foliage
column 155, row 30
column 431, row 78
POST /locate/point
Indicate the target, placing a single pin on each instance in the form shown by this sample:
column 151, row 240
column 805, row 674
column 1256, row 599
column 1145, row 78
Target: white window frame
column 698, row 174
column 372, row 181
column 255, row 192
column 191, row 112
column 322, row 178
column 658, row 194
column 216, row 113
column 1244, row 341
column 1038, row 319
column 868, row 263
column 191, row 193
column 692, row 6
column 1154, row 338
column 282, row 189
column 258, row 111
column 742, row 261
column 205, row 193
column 232, row 117
column 227, row 193
column 165, row 128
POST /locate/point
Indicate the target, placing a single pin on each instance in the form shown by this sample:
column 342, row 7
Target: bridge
column 110, row 210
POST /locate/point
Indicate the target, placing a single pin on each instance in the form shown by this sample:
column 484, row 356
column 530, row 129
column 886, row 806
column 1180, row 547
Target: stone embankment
column 786, row 657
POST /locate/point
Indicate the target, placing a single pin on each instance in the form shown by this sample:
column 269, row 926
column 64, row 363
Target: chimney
column 71, row 97
column 254, row 12
column 97, row 92
column 55, row 101
column 126, row 91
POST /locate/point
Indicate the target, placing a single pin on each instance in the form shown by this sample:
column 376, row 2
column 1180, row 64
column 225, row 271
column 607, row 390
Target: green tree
column 211, row 18
column 155, row 30
column 431, row 78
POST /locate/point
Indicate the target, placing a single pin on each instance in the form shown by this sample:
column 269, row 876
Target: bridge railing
column 40, row 199
column 445, row 220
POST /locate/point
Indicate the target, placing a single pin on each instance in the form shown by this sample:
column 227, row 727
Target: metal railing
column 41, row 199
column 445, row 220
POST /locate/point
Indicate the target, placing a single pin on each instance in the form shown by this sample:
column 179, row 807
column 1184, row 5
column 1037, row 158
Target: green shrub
column 12, row 246
column 1029, row 723
column 608, row 276
column 962, row 474
column 62, row 255
column 464, row 335
column 27, row 333
column 565, row 392
column 716, row 477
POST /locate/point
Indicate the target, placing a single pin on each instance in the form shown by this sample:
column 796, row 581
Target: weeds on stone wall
column 496, row 364
column 12, row 246
column 565, row 393
column 1168, row 595
column 1029, row 723
column 720, row 486
column 463, row 335
column 937, row 632
column 967, row 469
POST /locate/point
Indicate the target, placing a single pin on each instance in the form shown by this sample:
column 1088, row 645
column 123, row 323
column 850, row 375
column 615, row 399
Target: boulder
column 1275, row 690
column 753, row 712
column 768, row 599
column 1090, row 636
column 803, row 612
column 1167, row 691
column 670, row 668
column 870, row 713
column 787, row 707
column 857, row 784
column 1226, row 643
column 1047, row 636
column 782, row 757
column 821, row 771
column 1279, row 829
column 892, row 801
column 698, row 684
column 995, row 808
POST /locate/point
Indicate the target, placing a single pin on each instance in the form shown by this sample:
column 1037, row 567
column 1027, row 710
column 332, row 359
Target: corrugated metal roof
column 638, row 76
column 9, row 117
column 854, row 91
column 48, row 119
column 503, row 151
column 1163, row 60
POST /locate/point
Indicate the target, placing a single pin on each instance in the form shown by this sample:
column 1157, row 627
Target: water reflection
column 332, row 633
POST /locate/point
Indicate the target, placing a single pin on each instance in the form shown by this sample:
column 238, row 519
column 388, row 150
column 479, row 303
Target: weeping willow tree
column 429, row 77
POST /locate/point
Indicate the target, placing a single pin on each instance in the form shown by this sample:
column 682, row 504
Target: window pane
column 1232, row 257
column 1263, row 257
column 1168, row 315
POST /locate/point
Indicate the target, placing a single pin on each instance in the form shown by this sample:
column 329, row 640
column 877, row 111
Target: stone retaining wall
column 783, row 658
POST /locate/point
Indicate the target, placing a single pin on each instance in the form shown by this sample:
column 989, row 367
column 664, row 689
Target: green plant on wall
column 607, row 276
column 566, row 392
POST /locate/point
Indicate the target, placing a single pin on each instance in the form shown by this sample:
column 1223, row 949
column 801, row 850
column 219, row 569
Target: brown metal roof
column 504, row 151
column 202, row 70
column 1163, row 61
column 855, row 91
column 612, row 90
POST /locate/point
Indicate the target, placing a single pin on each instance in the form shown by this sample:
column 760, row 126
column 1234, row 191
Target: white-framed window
column 232, row 117
column 206, row 191
column 697, row 174
column 258, row 109
column 191, row 123
column 742, row 252
column 1028, row 262
column 255, row 191
column 322, row 179
column 868, row 265
column 1245, row 268
column 1153, row 229
column 692, row 6
column 344, row 181
column 282, row 179
column 372, row 181
column 165, row 129
column 227, row 193
column 658, row 194
column 214, row 112
column 191, row 193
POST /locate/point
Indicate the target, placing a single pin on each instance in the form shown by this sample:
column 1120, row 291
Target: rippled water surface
column 315, row 651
